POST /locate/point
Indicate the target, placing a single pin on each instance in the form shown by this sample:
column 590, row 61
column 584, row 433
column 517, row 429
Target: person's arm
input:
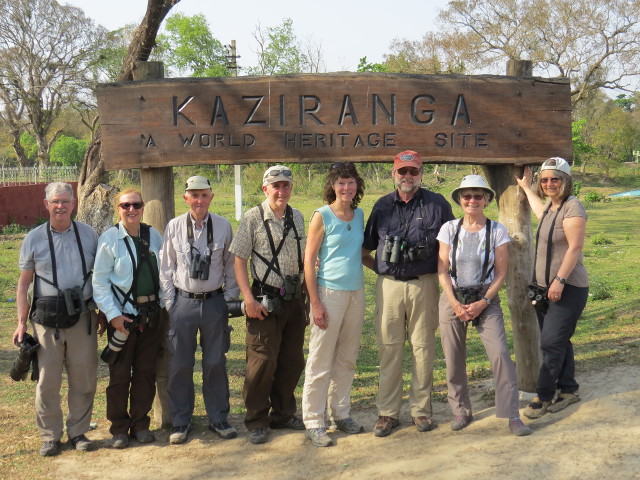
column 574, row 230
column 168, row 265
column 231, row 290
column 367, row 258
column 525, row 182
column 314, row 240
column 447, row 285
column 253, row 308
column 22, row 304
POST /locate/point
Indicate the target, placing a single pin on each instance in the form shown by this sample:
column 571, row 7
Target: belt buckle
column 200, row 296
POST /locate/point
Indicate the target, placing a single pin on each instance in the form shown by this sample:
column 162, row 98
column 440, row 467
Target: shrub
column 14, row 229
column 598, row 290
column 600, row 239
column 593, row 197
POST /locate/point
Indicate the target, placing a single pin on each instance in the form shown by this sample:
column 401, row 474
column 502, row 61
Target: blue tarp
column 630, row 193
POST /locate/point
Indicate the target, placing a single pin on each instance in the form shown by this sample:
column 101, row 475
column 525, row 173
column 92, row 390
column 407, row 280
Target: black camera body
column 118, row 339
column 538, row 296
column 28, row 349
column 418, row 252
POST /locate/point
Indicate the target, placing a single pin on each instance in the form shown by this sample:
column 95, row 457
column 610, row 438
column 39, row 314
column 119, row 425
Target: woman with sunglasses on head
column 472, row 266
column 126, row 289
column 335, row 282
column 559, row 269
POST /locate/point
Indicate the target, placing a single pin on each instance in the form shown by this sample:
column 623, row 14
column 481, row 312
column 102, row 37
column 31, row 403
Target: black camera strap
column 275, row 251
column 487, row 241
column 547, row 268
column 190, row 236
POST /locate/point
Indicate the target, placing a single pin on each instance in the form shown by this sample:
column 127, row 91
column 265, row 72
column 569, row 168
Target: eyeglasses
column 60, row 203
column 550, row 179
column 135, row 205
column 476, row 196
column 342, row 164
column 414, row 172
column 275, row 173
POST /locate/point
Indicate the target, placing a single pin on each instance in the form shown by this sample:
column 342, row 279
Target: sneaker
column 536, row 409
column 120, row 440
column 318, row 437
column 384, row 426
column 460, row 422
column 82, row 443
column 294, row 423
column 348, row 425
column 258, row 435
column 563, row 401
column 179, row 434
column 423, row 423
column 224, row 429
column 50, row 448
column 518, row 428
column 144, row 436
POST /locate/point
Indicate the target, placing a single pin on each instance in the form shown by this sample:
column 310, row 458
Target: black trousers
column 558, row 367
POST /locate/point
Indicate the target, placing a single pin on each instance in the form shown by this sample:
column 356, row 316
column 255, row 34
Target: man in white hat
column 272, row 235
column 197, row 277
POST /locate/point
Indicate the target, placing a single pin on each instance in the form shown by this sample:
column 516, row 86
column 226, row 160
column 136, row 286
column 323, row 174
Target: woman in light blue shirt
column 126, row 288
column 335, row 282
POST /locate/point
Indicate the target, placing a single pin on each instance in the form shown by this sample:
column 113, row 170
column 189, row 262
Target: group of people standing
column 145, row 286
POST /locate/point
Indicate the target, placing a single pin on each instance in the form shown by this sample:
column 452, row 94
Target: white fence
column 26, row 175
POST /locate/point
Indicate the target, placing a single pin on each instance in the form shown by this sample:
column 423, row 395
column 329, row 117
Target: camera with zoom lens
column 118, row 339
column 237, row 308
column 28, row 348
column 199, row 267
column 418, row 252
column 538, row 296
column 74, row 301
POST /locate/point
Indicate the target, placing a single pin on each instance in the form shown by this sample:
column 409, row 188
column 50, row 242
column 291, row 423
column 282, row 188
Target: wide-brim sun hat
column 556, row 163
column 472, row 182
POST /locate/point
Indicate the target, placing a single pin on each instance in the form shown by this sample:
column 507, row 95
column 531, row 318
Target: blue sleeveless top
column 340, row 255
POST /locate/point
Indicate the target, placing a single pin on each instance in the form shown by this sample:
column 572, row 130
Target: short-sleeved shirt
column 252, row 237
column 35, row 255
column 578, row 277
column 470, row 251
column 417, row 221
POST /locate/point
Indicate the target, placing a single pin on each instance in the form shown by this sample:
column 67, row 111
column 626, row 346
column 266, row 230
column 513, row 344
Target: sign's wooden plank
column 364, row 117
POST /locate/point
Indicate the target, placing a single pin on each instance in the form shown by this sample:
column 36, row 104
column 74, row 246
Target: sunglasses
column 475, row 196
column 414, row 172
column 550, row 179
column 135, row 205
column 275, row 173
column 342, row 164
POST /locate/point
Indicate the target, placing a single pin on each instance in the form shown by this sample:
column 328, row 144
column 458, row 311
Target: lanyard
column 487, row 241
column 190, row 236
column 53, row 257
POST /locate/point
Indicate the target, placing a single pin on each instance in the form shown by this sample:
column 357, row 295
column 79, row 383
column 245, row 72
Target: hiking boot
column 82, row 443
column 384, row 426
column 224, row 429
column 294, row 423
column 179, row 434
column 318, row 437
column 460, row 422
column 50, row 448
column 518, row 428
column 536, row 409
column 563, row 401
column 258, row 435
column 423, row 423
column 120, row 440
column 144, row 436
column 348, row 425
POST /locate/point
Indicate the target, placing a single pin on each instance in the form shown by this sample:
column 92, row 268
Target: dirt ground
column 597, row 438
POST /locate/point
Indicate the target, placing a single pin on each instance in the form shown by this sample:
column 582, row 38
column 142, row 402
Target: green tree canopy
column 279, row 51
column 68, row 151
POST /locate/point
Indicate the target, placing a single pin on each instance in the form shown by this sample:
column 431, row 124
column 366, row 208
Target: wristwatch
column 487, row 300
column 561, row 280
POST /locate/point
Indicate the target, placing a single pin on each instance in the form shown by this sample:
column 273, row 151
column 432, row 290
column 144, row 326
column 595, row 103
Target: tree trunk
column 23, row 160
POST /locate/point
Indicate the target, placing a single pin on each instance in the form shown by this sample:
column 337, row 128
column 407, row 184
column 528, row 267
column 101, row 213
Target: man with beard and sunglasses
column 402, row 229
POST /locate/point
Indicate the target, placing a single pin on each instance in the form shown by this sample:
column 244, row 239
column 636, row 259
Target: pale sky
column 346, row 29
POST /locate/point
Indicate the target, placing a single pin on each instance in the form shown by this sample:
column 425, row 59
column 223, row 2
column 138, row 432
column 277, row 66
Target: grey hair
column 58, row 188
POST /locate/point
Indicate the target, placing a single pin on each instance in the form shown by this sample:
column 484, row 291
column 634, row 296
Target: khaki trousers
column 76, row 351
column 406, row 310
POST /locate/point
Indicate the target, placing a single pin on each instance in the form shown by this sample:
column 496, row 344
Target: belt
column 198, row 295
column 405, row 279
column 263, row 288
column 146, row 299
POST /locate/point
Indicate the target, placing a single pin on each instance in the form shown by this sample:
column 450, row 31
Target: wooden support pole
column 156, row 185
column 515, row 214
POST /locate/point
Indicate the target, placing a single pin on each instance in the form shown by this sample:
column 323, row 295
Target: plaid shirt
column 252, row 236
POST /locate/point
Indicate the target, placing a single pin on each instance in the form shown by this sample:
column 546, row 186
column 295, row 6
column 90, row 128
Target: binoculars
column 392, row 249
column 199, row 267
column 74, row 301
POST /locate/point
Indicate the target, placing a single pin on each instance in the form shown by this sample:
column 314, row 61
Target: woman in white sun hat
column 472, row 265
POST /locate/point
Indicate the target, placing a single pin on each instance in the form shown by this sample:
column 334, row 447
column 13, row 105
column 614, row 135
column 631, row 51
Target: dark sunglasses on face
column 476, row 196
column 275, row 173
column 550, row 179
column 414, row 172
column 135, row 205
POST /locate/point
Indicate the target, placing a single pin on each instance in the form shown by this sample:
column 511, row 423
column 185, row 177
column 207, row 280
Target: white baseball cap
column 277, row 173
column 556, row 163
column 197, row 182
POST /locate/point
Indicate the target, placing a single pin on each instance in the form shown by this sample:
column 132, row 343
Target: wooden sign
column 363, row 117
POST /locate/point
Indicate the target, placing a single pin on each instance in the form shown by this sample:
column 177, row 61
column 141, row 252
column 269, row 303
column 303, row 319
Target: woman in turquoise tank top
column 335, row 281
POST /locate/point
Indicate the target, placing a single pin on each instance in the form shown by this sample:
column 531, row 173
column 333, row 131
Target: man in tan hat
column 272, row 234
column 197, row 277
column 402, row 229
